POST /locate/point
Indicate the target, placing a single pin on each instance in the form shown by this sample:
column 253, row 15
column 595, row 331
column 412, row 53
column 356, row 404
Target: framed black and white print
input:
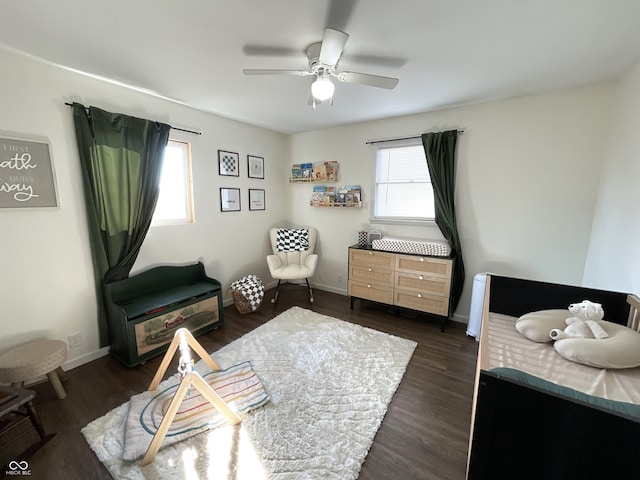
column 228, row 163
column 256, row 166
column 230, row 199
column 256, row 199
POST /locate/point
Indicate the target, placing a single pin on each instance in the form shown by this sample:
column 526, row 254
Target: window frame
column 396, row 220
column 187, row 165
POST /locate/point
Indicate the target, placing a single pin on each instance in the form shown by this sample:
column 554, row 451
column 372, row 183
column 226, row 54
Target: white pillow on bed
column 620, row 350
column 537, row 325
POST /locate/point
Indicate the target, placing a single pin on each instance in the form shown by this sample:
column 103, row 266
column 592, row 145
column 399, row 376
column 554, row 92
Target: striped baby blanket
column 238, row 386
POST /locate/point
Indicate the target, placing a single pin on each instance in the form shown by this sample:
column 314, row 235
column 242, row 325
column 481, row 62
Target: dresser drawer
column 422, row 283
column 371, row 291
column 375, row 275
column 423, row 302
column 369, row 258
column 434, row 267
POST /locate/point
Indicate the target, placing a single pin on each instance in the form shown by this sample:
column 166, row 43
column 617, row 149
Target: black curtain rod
column 172, row 128
column 371, row 142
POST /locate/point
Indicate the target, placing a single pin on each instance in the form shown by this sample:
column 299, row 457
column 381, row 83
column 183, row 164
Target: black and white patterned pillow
column 292, row 239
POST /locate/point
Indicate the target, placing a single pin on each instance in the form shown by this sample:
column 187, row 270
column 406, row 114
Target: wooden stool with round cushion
column 31, row 360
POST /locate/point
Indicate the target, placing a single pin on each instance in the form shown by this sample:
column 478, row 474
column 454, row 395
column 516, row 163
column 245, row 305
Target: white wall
column 528, row 177
column 46, row 286
column 527, row 181
column 614, row 251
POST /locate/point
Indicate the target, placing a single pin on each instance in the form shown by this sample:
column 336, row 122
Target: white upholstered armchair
column 293, row 257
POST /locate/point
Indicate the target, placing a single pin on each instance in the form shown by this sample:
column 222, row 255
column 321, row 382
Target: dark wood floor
column 424, row 434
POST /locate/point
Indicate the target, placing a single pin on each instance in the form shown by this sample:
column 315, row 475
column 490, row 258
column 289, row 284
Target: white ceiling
column 445, row 52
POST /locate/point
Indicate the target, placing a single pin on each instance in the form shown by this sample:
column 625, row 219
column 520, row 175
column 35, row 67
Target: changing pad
column 508, row 348
column 438, row 248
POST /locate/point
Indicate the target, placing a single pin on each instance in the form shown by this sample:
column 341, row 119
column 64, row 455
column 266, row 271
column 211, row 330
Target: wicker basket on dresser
column 417, row 282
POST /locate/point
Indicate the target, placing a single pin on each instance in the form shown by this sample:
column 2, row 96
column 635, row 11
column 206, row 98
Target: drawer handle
column 368, row 286
column 370, row 270
column 421, row 277
column 419, row 295
column 421, row 259
column 370, row 253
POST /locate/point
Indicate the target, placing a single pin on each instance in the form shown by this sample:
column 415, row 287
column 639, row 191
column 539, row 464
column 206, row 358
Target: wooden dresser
column 411, row 281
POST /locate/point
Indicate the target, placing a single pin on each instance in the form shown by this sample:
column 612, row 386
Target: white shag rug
column 330, row 383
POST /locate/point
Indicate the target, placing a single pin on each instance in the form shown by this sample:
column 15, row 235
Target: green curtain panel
column 440, row 149
column 121, row 162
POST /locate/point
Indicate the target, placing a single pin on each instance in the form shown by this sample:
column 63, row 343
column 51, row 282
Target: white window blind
column 403, row 189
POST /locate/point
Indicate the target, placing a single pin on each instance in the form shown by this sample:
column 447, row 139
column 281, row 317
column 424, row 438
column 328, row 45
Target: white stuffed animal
column 584, row 323
column 585, row 310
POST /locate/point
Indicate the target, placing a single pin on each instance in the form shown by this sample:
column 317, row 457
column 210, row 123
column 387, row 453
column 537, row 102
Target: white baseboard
column 341, row 291
column 327, row 288
column 73, row 363
column 89, row 357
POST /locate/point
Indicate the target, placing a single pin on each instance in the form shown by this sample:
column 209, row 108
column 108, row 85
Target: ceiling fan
column 323, row 64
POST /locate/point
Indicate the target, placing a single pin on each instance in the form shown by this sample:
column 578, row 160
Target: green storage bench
column 146, row 309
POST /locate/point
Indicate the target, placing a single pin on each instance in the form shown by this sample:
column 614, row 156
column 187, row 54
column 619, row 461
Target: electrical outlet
column 75, row 340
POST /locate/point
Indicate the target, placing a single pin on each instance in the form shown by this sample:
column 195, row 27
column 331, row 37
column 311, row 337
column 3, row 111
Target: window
column 175, row 203
column 403, row 192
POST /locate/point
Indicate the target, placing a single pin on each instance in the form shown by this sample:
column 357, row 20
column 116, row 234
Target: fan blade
column 333, row 43
column 271, row 51
column 267, row 71
column 377, row 60
column 339, row 13
column 365, row 79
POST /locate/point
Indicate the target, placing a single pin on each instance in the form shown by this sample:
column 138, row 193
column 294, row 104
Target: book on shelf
column 331, row 169
column 323, row 194
column 348, row 195
column 327, row 171
column 307, row 170
column 296, row 171
column 319, row 171
column 324, row 189
column 352, row 194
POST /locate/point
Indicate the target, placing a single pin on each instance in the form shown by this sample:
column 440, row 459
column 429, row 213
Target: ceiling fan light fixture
column 322, row 89
column 323, row 58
